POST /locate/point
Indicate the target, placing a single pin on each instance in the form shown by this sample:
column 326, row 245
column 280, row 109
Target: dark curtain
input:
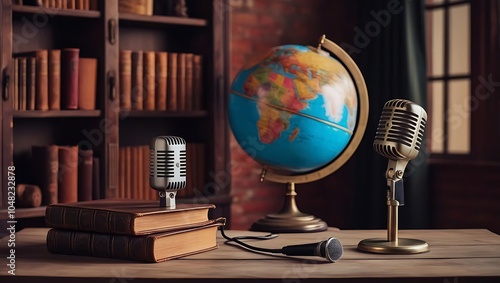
column 389, row 47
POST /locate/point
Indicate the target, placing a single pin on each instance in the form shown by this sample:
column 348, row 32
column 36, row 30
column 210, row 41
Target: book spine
column 125, row 79
column 87, row 82
column 161, row 81
column 68, row 174
column 85, row 175
column 189, row 104
column 149, row 80
column 90, row 220
column 172, row 81
column 54, row 79
column 137, row 81
column 100, row 245
column 197, row 82
column 69, row 78
column 45, row 160
column 15, row 98
column 42, row 83
column 22, row 83
column 181, row 81
column 31, row 84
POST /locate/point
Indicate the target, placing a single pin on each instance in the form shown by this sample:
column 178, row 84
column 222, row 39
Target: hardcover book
column 125, row 216
column 70, row 58
column 148, row 248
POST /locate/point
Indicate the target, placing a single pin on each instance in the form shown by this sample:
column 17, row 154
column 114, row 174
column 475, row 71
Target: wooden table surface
column 456, row 256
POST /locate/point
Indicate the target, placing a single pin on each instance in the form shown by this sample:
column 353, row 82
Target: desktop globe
column 300, row 112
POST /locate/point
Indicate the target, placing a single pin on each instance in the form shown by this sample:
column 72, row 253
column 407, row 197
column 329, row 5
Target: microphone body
column 399, row 134
column 167, row 168
column 331, row 249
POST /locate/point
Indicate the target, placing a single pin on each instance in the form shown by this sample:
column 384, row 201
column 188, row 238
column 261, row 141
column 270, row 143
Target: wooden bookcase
column 101, row 34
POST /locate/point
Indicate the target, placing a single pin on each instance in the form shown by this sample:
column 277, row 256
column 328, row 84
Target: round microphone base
column 401, row 246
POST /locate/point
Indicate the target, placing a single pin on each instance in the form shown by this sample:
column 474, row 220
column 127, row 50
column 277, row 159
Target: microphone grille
column 167, row 168
column 400, row 130
column 333, row 249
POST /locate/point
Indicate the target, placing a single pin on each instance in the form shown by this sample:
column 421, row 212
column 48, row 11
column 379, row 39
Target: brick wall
column 256, row 26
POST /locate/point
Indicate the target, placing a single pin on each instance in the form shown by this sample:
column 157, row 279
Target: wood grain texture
column 468, row 255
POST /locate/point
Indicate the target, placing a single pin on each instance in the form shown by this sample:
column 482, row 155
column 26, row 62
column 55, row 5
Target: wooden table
column 456, row 256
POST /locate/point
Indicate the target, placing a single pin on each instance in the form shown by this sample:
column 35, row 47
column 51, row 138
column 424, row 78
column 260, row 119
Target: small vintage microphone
column 167, row 168
column 330, row 249
column 399, row 137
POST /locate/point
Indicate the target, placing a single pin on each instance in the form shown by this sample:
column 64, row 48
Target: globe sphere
column 293, row 108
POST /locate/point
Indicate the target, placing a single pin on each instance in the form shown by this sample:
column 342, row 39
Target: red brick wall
column 256, row 26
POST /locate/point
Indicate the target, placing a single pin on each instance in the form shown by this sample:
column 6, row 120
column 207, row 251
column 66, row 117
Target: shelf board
column 162, row 20
column 160, row 114
column 55, row 11
column 56, row 113
column 24, row 213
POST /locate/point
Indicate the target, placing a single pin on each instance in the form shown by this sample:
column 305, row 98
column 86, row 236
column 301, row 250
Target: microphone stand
column 395, row 198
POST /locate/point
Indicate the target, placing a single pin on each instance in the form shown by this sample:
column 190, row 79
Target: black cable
column 237, row 240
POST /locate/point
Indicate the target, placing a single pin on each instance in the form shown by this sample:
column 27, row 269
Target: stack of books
column 130, row 229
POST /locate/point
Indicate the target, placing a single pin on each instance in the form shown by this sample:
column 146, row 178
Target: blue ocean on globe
column 293, row 108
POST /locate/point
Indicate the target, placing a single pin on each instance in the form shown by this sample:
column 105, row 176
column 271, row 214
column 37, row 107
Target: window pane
column 458, row 117
column 436, row 117
column 436, row 16
column 459, row 61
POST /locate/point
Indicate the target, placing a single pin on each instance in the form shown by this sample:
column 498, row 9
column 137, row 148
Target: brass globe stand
column 290, row 219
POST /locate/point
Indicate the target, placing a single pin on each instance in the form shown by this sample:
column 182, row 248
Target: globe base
column 289, row 219
column 279, row 223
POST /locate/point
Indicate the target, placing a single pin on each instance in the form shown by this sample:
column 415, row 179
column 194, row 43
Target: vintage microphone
column 399, row 137
column 167, row 168
column 331, row 249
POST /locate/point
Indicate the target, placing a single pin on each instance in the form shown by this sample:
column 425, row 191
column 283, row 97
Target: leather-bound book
column 87, row 82
column 137, row 80
column 42, row 80
column 22, row 83
column 161, row 81
column 69, row 78
column 172, row 81
column 125, row 216
column 149, row 248
column 54, row 79
column 149, row 80
column 96, row 178
column 197, row 82
column 68, row 174
column 85, row 164
column 181, row 81
column 125, row 62
column 189, row 104
column 45, row 165
column 31, row 84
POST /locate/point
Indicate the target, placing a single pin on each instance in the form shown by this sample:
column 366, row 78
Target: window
column 448, row 31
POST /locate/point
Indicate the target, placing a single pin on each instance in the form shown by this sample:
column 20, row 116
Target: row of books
column 65, row 173
column 61, row 4
column 53, row 80
column 152, row 80
column 134, row 172
column 130, row 229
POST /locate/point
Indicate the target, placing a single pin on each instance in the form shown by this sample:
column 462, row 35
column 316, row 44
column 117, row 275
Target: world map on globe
column 293, row 108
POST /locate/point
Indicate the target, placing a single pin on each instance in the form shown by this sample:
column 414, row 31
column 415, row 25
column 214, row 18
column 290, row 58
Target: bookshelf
column 101, row 33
